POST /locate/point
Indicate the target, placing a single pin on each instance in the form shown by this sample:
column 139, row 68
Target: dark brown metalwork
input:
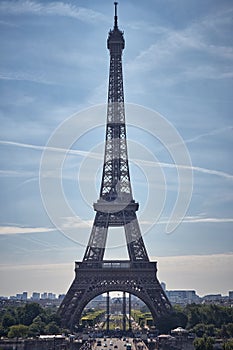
column 130, row 314
column 124, row 311
column 115, row 207
column 108, row 311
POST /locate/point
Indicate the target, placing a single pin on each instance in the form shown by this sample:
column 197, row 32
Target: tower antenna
column 115, row 17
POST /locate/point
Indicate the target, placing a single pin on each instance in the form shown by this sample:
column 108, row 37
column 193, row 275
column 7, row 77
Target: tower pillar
column 130, row 320
column 107, row 311
column 124, row 312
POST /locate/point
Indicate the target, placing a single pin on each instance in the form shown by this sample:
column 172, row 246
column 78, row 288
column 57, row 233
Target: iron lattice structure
column 115, row 207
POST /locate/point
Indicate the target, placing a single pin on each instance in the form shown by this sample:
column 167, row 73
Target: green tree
column 199, row 344
column 37, row 327
column 202, row 330
column 31, row 315
column 229, row 330
column 193, row 314
column 228, row 345
column 199, row 329
column 204, row 343
column 210, row 330
column 29, row 312
column 51, row 316
column 3, row 331
column 52, row 328
column 224, row 333
column 34, row 330
column 175, row 319
column 8, row 320
column 209, row 343
column 208, row 314
column 18, row 331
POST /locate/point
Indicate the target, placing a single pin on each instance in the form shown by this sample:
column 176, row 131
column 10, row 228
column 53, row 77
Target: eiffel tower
column 115, row 207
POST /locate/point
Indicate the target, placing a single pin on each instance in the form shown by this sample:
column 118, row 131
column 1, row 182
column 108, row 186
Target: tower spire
column 115, row 16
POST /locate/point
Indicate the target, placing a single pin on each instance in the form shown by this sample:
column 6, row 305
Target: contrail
column 210, row 133
column 137, row 161
column 53, row 149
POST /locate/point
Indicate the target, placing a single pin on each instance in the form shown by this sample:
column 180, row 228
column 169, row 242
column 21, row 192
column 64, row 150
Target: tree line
column 29, row 320
column 205, row 321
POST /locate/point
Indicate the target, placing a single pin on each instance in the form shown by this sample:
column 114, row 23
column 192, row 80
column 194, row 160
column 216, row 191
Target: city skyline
column 55, row 64
column 35, row 295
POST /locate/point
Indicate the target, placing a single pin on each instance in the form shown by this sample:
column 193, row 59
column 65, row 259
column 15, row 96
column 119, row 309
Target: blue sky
column 54, row 63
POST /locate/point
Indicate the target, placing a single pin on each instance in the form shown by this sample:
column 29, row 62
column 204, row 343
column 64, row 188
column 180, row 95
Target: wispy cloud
column 189, row 220
column 209, row 133
column 194, row 168
column 52, row 149
column 198, row 219
column 16, row 173
column 205, row 60
column 38, row 266
column 8, row 24
column 35, row 77
column 11, row 173
column 137, row 161
column 56, row 8
column 76, row 222
column 13, row 230
column 191, row 258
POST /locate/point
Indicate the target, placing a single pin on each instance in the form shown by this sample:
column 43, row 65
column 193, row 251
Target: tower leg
column 124, row 312
column 107, row 312
column 130, row 321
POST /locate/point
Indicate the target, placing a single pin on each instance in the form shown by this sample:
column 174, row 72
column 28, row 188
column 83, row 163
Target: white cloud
column 56, row 8
column 189, row 220
column 35, row 77
column 76, row 222
column 194, row 168
column 14, row 173
column 209, row 133
column 13, row 230
column 198, row 219
column 218, row 18
column 193, row 219
column 52, row 149
column 205, row 60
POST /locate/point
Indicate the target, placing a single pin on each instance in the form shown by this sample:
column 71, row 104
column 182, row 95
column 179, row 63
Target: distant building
column 182, row 297
column 44, row 295
column 35, row 296
column 24, row 296
column 231, row 295
column 21, row 296
column 212, row 297
column 51, row 296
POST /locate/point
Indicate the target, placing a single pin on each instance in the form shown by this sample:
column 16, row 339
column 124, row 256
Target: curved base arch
column 93, row 279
